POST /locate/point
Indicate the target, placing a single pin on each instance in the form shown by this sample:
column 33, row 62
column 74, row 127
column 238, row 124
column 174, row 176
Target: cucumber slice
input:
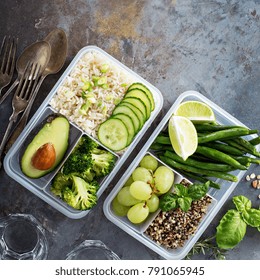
column 145, row 89
column 137, row 102
column 121, row 108
column 138, row 93
column 129, row 125
column 113, row 134
column 137, row 111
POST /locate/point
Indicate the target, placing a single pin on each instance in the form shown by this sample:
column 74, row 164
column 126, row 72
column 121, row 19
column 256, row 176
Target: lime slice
column 183, row 136
column 195, row 111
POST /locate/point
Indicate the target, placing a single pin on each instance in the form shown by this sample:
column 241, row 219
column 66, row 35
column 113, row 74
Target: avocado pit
column 44, row 158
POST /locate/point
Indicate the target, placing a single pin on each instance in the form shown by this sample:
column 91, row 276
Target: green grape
column 119, row 209
column 163, row 179
column 129, row 181
column 142, row 174
column 140, row 190
column 153, row 203
column 138, row 213
column 149, row 162
column 125, row 198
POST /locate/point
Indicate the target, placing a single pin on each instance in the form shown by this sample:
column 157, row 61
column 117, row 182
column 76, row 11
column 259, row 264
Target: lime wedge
column 195, row 111
column 183, row 136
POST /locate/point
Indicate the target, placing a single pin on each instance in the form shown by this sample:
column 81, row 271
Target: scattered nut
column 248, row 178
column 259, row 196
column 254, row 184
column 252, row 176
column 258, row 177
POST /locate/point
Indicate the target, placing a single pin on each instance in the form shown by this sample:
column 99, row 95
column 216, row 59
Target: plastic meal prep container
column 219, row 196
column 41, row 186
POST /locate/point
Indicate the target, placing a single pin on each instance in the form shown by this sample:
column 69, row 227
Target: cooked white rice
column 68, row 100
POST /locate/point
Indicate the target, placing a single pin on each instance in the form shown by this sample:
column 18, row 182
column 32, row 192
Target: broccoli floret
column 103, row 162
column 86, row 145
column 77, row 163
column 60, row 182
column 82, row 195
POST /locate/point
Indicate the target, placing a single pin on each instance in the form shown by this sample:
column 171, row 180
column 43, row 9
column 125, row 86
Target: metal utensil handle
column 23, row 120
column 15, row 83
column 5, row 138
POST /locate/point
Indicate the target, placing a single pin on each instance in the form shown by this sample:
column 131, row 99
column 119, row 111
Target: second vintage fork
column 7, row 54
column 21, row 98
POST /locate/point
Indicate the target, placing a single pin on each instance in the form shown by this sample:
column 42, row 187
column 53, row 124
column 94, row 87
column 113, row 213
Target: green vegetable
column 87, row 162
column 224, row 148
column 163, row 140
column 104, row 68
column 232, row 226
column 183, row 196
column 199, row 164
column 252, row 217
column 201, row 171
column 82, row 195
column 224, row 134
column 215, row 154
column 231, row 230
column 255, row 141
column 250, row 148
column 201, row 179
column 214, row 127
column 242, row 203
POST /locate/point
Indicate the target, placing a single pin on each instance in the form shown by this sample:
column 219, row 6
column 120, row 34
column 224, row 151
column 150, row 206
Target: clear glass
column 92, row 250
column 22, row 238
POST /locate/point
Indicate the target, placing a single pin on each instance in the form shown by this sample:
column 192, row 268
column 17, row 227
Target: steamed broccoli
column 82, row 195
column 103, row 162
column 60, row 182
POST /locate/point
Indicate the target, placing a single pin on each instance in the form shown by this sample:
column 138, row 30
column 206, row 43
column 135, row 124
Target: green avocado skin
column 56, row 131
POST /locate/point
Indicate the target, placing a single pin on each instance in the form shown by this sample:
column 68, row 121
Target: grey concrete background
column 209, row 46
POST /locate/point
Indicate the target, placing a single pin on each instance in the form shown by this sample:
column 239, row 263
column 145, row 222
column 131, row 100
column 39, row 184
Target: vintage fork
column 21, row 98
column 8, row 52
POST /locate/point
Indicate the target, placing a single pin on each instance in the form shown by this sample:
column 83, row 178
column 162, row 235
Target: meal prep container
column 218, row 196
column 41, row 186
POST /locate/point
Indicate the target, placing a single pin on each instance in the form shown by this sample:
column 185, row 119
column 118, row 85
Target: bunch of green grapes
column 140, row 194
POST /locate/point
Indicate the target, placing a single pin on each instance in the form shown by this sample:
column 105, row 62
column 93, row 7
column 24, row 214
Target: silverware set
column 33, row 65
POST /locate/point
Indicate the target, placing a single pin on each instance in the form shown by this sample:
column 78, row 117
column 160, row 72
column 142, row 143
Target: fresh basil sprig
column 183, row 196
column 232, row 227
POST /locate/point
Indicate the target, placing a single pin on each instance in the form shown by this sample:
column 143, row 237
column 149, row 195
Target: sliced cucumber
column 129, row 125
column 145, row 89
column 137, row 111
column 121, row 108
column 138, row 93
column 113, row 134
column 137, row 102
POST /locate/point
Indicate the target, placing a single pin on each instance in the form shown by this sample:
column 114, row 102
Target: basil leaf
column 184, row 203
column 252, row 217
column 242, row 203
column 197, row 191
column 231, row 230
column 180, row 190
column 168, row 202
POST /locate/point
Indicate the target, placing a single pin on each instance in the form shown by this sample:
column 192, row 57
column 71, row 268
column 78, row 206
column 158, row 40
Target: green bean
column 223, row 134
column 224, row 148
column 201, row 179
column 251, row 149
column 200, row 164
column 215, row 154
column 211, row 127
column 187, row 168
column 255, row 141
column 232, row 143
column 163, row 140
column 157, row 146
column 247, row 159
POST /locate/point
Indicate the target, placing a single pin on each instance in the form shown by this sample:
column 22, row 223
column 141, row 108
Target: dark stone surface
column 208, row 46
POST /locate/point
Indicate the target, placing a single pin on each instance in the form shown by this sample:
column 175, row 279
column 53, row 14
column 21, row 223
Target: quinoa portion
column 173, row 228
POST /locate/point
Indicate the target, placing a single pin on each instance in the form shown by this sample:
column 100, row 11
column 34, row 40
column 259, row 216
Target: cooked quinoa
column 90, row 92
column 171, row 229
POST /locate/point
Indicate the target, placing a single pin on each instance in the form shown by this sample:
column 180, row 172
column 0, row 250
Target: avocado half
column 55, row 131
